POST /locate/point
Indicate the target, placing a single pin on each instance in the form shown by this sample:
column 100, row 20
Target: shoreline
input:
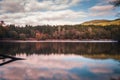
column 81, row 41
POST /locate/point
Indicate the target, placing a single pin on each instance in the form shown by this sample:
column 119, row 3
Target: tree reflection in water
column 91, row 50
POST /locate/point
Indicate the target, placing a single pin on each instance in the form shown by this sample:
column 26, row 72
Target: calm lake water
column 60, row 61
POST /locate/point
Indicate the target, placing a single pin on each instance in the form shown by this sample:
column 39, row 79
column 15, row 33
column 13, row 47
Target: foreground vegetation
column 46, row 32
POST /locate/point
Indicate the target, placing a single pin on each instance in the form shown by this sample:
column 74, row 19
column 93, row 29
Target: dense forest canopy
column 46, row 32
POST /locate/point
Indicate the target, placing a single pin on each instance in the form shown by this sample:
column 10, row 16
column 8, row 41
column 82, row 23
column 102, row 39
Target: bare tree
column 116, row 3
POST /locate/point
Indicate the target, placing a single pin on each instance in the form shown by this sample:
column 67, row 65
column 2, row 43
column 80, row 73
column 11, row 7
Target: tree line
column 46, row 32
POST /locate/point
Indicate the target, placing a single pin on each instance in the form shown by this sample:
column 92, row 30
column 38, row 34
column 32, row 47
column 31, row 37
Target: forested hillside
column 102, row 22
column 46, row 32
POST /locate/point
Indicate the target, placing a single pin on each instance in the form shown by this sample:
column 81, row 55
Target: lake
column 60, row 61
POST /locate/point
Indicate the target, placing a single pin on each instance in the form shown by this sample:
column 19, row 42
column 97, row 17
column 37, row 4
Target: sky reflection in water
column 60, row 67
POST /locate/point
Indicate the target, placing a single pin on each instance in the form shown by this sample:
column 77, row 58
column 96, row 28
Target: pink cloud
column 102, row 13
column 102, row 8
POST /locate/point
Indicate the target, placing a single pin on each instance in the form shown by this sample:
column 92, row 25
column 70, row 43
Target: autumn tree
column 22, row 36
column 38, row 36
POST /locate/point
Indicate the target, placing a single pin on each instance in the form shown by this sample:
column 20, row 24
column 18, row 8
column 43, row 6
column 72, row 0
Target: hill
column 102, row 22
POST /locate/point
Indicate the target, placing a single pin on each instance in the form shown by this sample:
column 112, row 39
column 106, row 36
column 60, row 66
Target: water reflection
column 62, row 61
column 60, row 67
column 91, row 50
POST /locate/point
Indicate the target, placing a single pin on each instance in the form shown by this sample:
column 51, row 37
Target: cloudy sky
column 55, row 12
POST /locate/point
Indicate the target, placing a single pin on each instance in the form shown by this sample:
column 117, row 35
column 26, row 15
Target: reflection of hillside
column 93, row 50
